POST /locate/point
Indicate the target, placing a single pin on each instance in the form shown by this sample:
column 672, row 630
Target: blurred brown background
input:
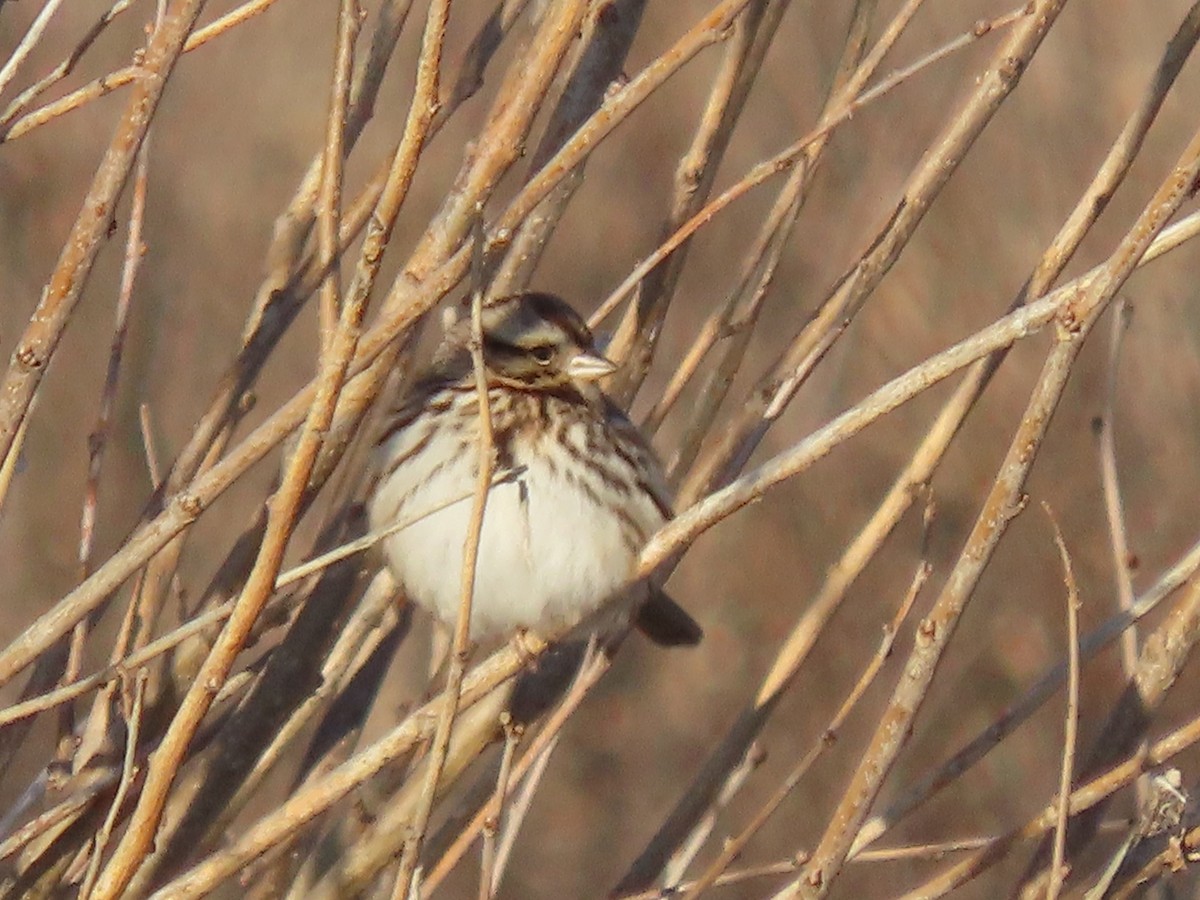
column 243, row 117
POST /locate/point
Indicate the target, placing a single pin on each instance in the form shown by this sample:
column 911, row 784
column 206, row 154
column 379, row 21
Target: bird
column 577, row 488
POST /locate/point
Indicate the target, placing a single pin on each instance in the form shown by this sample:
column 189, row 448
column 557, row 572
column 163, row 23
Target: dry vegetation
column 902, row 293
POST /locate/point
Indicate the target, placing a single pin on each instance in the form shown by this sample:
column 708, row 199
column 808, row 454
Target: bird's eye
column 544, row 354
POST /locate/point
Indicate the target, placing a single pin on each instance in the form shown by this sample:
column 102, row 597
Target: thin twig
column 8, row 464
column 97, row 443
column 133, row 725
column 488, row 873
column 371, row 538
column 1113, row 507
column 460, row 645
column 682, row 859
column 740, row 876
column 329, row 197
column 519, row 809
column 1070, row 732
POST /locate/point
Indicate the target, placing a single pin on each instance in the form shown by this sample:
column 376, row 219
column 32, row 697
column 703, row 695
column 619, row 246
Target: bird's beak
column 590, row 366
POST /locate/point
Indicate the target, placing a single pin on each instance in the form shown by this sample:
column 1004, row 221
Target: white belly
column 548, row 553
